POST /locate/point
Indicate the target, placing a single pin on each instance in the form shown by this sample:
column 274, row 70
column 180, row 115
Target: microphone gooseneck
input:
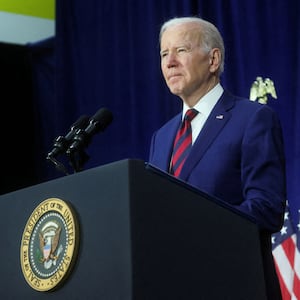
column 61, row 143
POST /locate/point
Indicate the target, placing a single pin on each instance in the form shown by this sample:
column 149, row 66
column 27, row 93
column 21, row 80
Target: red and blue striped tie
column 182, row 142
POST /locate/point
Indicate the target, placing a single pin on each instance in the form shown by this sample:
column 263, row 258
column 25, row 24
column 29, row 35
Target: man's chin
column 175, row 90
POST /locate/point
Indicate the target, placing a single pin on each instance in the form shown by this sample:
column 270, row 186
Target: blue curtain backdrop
column 106, row 54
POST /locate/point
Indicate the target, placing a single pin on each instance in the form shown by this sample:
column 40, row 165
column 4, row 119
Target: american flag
column 286, row 253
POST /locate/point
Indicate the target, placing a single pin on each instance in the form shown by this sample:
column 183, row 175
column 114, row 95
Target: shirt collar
column 207, row 102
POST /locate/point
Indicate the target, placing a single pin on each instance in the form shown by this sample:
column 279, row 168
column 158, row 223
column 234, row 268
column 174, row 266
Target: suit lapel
column 167, row 138
column 212, row 127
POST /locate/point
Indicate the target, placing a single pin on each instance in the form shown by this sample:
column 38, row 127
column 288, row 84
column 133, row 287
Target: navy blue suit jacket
column 238, row 157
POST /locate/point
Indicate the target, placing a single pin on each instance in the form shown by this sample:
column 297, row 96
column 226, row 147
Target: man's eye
column 163, row 54
column 181, row 50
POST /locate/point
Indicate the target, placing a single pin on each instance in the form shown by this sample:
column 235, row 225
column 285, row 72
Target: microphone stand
column 58, row 165
column 77, row 159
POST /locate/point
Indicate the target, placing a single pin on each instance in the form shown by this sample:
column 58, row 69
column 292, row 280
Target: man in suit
column 237, row 148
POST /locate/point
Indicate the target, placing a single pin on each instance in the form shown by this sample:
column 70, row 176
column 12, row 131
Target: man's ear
column 215, row 59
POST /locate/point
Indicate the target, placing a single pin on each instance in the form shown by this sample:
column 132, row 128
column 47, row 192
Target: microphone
column 61, row 143
column 102, row 118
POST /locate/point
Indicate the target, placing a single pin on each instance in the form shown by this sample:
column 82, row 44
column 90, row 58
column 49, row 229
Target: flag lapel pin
column 220, row 117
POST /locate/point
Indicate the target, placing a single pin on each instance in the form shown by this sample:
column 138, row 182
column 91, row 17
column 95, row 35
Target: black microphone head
column 98, row 122
column 101, row 119
column 81, row 123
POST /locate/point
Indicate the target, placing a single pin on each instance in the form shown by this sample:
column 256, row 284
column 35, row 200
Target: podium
column 143, row 235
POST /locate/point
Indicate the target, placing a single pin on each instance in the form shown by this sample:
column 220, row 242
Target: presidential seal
column 49, row 245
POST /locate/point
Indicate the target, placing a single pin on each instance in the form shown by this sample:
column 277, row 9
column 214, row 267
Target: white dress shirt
column 204, row 106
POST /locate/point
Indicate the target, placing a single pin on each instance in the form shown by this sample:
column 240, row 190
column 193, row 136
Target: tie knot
column 190, row 114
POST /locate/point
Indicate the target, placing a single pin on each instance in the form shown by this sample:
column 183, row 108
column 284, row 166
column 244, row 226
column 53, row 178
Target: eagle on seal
column 49, row 243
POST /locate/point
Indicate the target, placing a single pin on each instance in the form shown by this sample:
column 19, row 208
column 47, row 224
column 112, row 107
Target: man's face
column 185, row 66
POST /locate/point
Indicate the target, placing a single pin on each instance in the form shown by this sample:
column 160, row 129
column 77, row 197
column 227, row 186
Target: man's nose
column 171, row 60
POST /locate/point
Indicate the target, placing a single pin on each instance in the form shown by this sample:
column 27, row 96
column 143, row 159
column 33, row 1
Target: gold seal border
column 68, row 214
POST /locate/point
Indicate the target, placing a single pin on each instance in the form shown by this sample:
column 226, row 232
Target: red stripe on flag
column 296, row 287
column 289, row 248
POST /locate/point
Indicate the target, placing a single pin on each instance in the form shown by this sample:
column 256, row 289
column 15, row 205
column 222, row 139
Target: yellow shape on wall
column 37, row 8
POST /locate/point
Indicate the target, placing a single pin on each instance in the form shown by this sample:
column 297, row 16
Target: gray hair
column 210, row 36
